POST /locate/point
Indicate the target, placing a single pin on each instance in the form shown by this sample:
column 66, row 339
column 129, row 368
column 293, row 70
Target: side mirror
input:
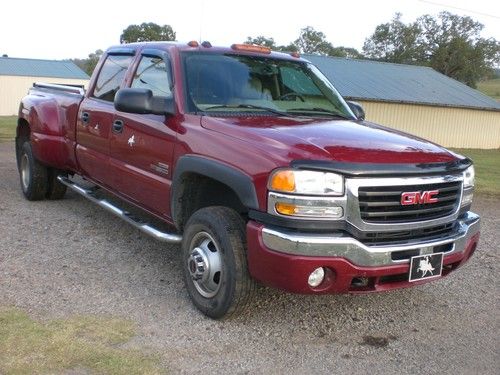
column 142, row 101
column 357, row 109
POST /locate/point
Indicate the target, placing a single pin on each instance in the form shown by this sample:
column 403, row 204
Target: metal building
column 417, row 100
column 18, row 75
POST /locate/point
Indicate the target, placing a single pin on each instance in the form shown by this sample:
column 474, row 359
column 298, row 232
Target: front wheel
column 214, row 262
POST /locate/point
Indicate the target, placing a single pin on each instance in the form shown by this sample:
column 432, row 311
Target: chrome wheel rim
column 204, row 264
column 25, row 171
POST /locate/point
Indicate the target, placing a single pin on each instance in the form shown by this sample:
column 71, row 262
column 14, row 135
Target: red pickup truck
column 260, row 168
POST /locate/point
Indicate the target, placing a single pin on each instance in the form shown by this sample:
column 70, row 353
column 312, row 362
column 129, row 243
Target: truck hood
column 319, row 139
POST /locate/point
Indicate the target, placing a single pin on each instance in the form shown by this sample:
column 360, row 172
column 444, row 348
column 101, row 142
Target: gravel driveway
column 70, row 257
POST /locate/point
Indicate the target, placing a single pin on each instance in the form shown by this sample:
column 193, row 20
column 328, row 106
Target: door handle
column 118, row 126
column 85, row 118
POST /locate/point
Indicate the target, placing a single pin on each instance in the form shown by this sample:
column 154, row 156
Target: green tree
column 453, row 46
column 92, row 61
column 312, row 41
column 88, row 64
column 261, row 41
column 395, row 42
column 450, row 44
column 147, row 32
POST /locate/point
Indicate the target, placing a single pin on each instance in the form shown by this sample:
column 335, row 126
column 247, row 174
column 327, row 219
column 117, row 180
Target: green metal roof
column 12, row 66
column 379, row 81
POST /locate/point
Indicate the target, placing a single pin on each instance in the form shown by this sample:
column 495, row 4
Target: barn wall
column 450, row 127
column 13, row 88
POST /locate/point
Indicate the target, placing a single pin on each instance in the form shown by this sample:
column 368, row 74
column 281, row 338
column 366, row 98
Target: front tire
column 33, row 175
column 214, row 262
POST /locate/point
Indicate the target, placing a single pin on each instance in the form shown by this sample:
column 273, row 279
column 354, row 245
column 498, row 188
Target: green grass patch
column 89, row 343
column 7, row 128
column 487, row 165
column 490, row 88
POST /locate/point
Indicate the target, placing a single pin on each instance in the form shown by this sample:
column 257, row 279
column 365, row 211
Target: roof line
column 367, row 61
column 428, row 104
column 27, row 58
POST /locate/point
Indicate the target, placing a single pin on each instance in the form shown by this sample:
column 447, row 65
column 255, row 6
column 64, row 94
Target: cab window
column 152, row 74
column 111, row 76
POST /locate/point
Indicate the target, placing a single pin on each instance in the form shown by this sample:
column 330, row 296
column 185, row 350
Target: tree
column 395, row 42
column 147, row 32
column 450, row 44
column 454, row 47
column 92, row 61
column 88, row 65
column 312, row 41
column 309, row 41
column 261, row 41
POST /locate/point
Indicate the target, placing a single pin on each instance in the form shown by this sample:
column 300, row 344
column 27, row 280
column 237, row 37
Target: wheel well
column 22, row 135
column 196, row 191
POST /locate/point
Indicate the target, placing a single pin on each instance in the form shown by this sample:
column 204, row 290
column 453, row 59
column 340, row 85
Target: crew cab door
column 95, row 119
column 141, row 146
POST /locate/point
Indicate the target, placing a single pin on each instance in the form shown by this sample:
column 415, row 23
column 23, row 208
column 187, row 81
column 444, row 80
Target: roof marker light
column 251, row 48
column 193, row 43
column 295, row 54
column 206, row 44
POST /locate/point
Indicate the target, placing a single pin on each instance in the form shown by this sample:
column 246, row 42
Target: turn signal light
column 251, row 48
column 283, row 181
column 286, row 209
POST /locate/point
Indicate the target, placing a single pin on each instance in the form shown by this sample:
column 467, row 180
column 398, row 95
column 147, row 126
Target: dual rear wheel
column 37, row 181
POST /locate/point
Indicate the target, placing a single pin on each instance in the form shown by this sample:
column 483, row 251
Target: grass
column 487, row 165
column 91, row 344
column 7, row 128
column 490, row 87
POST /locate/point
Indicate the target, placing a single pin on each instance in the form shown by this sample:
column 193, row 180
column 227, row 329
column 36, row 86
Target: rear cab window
column 111, row 77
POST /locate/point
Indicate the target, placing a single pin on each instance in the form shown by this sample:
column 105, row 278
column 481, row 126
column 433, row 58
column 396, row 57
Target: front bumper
column 284, row 259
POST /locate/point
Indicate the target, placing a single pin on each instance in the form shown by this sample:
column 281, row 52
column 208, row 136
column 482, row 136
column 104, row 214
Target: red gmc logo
column 419, row 197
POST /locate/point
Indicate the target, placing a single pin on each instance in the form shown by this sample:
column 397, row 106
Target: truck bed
column 52, row 112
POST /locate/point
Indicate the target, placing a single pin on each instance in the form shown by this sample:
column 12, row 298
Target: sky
column 55, row 29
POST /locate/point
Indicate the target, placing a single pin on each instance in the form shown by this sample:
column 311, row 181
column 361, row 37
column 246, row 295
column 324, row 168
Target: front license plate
column 426, row 266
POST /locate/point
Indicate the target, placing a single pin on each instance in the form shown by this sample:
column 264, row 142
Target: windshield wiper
column 322, row 111
column 248, row 106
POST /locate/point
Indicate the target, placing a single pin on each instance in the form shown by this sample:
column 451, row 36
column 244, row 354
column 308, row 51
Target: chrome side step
column 127, row 216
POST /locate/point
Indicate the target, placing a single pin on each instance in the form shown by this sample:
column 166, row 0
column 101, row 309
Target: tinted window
column 111, row 77
column 297, row 81
column 241, row 83
column 152, row 74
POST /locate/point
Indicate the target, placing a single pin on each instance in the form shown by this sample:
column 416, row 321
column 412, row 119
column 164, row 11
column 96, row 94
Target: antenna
column 202, row 8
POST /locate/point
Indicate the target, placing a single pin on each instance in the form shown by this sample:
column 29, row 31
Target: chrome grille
column 382, row 204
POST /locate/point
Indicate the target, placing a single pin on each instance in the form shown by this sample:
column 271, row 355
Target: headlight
column 468, row 190
column 469, row 175
column 312, row 195
column 306, row 182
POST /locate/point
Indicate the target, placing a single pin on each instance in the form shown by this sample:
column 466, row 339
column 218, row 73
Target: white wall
column 14, row 88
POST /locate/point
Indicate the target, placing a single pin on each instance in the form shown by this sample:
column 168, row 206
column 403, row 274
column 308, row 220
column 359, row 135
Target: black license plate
column 426, row 266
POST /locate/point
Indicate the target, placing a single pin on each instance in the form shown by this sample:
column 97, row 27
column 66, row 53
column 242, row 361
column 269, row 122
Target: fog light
column 316, row 277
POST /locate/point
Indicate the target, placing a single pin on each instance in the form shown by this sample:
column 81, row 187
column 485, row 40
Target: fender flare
column 239, row 182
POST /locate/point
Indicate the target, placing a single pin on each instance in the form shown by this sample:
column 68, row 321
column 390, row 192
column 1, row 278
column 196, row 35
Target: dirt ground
column 58, row 259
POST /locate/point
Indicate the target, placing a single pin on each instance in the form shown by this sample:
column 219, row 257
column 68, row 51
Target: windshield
column 228, row 83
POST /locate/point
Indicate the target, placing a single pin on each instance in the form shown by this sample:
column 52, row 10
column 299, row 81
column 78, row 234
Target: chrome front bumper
column 344, row 246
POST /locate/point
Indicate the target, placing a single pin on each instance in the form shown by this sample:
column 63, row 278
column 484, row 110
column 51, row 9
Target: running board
column 127, row 216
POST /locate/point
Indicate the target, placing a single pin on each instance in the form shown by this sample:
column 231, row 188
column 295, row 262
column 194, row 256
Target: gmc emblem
column 419, row 197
